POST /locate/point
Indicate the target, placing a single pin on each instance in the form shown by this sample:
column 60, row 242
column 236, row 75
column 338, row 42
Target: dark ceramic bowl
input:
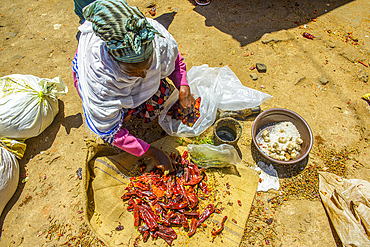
column 268, row 118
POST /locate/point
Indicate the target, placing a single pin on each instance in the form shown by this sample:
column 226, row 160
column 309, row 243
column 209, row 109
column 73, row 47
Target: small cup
column 226, row 131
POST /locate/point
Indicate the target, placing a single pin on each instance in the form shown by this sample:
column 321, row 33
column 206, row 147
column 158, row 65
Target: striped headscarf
column 124, row 29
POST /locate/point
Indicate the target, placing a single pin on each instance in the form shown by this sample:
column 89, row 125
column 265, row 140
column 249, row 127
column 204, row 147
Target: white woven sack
column 9, row 176
column 28, row 104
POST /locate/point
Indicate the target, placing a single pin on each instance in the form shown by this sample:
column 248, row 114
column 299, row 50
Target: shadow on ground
column 166, row 19
column 41, row 143
column 246, row 20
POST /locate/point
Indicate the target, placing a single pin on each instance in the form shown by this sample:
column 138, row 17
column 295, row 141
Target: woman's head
column 124, row 29
column 139, row 69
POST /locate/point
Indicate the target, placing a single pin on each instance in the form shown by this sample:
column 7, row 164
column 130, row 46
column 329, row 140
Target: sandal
column 203, row 2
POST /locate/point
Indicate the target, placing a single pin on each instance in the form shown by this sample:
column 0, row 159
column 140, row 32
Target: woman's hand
column 161, row 159
column 186, row 100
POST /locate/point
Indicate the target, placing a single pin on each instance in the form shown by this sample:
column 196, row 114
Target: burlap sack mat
column 107, row 176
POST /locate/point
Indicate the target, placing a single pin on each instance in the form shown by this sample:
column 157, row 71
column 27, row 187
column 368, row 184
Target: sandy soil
column 237, row 33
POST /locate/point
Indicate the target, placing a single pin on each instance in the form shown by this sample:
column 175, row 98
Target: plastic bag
column 9, row 176
column 28, row 104
column 268, row 177
column 347, row 202
column 218, row 88
column 207, row 155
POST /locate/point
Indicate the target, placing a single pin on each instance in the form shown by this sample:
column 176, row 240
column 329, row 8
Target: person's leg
column 203, row 2
column 150, row 109
column 79, row 5
column 154, row 105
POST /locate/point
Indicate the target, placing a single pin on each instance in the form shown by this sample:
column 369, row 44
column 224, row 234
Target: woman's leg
column 203, row 2
column 150, row 109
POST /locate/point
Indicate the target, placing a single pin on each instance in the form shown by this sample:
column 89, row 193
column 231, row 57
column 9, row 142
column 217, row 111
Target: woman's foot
column 203, row 2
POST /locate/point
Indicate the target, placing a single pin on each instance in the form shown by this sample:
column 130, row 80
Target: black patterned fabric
column 151, row 108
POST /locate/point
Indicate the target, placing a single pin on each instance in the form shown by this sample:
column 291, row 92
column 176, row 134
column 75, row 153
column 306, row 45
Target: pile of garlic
column 282, row 143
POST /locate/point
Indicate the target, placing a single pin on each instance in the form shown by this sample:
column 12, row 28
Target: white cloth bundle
column 28, row 104
column 9, row 176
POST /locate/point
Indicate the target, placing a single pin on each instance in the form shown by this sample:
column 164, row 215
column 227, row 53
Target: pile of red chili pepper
column 161, row 201
column 190, row 119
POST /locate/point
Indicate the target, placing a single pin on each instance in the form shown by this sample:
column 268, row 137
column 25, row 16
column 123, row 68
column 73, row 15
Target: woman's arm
column 138, row 147
column 130, row 143
column 178, row 77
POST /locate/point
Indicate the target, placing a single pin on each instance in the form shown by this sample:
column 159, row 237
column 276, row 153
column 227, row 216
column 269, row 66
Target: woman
column 120, row 67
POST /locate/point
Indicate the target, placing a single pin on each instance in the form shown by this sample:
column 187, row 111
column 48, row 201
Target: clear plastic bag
column 207, row 155
column 218, row 88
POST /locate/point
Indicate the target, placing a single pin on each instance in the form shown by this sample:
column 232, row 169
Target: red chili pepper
column 194, row 169
column 170, row 185
column 174, row 205
column 197, row 103
column 206, row 213
column 192, row 214
column 196, row 176
column 136, row 243
column 308, row 36
column 186, row 174
column 184, row 221
column 165, row 237
column 185, row 155
column 136, row 216
column 158, row 191
column 364, row 64
column 240, row 203
column 143, row 229
column 148, row 216
column 176, row 220
column 192, row 197
column 193, row 226
column 167, row 231
column 158, row 210
column 152, row 11
column 195, row 180
column 218, row 231
column 146, row 236
column 180, row 187
column 203, row 186
column 140, row 186
column 130, row 206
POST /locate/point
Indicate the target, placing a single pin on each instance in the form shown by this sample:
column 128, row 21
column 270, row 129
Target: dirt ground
column 321, row 79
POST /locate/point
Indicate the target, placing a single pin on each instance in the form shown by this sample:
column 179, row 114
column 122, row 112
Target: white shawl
column 105, row 89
